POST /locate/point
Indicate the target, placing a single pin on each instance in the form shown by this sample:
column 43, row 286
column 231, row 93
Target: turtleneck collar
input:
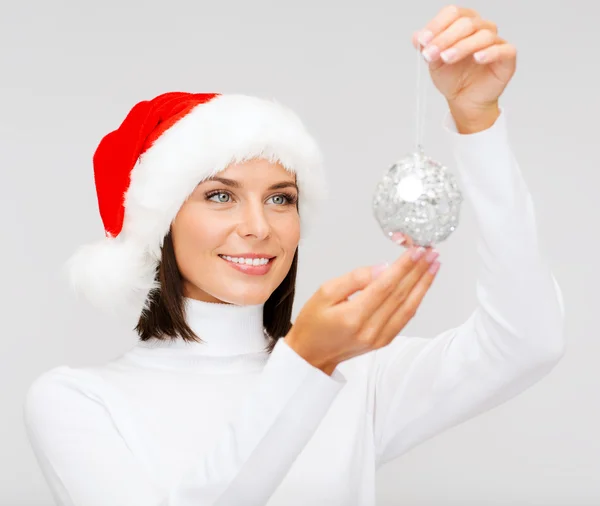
column 225, row 330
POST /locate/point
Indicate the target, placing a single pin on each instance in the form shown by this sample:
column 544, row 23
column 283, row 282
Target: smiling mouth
column 254, row 261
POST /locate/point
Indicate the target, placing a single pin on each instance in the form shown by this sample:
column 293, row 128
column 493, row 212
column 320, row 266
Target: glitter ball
column 420, row 198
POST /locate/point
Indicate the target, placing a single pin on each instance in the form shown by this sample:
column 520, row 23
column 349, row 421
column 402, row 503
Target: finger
column 339, row 289
column 397, row 299
column 408, row 310
column 367, row 301
column 481, row 39
column 443, row 20
column 402, row 240
column 496, row 53
column 463, row 27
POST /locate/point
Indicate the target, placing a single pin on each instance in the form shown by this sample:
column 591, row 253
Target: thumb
column 339, row 289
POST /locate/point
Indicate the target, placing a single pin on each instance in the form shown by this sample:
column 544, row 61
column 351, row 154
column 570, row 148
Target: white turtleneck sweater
column 224, row 423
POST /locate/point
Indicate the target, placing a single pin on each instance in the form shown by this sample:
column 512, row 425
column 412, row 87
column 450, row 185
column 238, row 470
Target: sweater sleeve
column 87, row 462
column 513, row 338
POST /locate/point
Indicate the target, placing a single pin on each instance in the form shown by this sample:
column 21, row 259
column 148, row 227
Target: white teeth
column 247, row 261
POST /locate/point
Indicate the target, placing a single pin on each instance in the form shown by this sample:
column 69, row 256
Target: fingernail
column 432, row 255
column 480, row 56
column 430, row 53
column 398, row 238
column 376, row 270
column 434, row 267
column 418, row 253
column 425, row 36
column 448, row 55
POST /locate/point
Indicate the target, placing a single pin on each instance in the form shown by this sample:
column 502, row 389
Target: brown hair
column 164, row 317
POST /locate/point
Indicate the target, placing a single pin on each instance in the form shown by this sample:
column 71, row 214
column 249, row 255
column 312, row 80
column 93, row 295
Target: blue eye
column 279, row 199
column 222, row 197
column 283, row 199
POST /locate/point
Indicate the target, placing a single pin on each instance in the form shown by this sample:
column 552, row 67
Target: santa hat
column 146, row 169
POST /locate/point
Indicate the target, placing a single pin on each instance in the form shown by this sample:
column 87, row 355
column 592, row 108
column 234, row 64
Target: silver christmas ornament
column 418, row 196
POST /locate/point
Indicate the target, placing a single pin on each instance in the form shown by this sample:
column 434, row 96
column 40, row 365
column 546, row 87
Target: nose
column 254, row 222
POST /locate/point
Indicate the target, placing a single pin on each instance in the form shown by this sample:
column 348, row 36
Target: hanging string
column 420, row 102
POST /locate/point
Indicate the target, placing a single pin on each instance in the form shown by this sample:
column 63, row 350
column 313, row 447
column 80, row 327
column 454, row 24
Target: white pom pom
column 113, row 275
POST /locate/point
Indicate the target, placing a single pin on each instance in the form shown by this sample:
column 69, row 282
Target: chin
column 234, row 291
column 251, row 293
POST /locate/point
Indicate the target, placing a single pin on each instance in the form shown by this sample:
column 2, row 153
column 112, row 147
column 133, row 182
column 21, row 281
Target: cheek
column 287, row 228
column 194, row 236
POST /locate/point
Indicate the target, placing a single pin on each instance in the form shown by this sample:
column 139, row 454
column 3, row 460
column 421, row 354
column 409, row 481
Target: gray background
column 72, row 70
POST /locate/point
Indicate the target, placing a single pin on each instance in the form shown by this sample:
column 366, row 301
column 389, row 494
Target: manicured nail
column 449, row 54
column 425, row 37
column 432, row 255
column 376, row 270
column 480, row 56
column 430, row 53
column 398, row 237
column 434, row 267
column 418, row 253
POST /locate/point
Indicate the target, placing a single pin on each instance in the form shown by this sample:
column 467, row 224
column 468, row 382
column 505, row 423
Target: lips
column 248, row 255
column 254, row 264
column 253, row 259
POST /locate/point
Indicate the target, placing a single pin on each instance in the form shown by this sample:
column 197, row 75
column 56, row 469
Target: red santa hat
column 145, row 169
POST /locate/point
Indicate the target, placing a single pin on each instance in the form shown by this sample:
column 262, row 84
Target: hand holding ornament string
column 468, row 63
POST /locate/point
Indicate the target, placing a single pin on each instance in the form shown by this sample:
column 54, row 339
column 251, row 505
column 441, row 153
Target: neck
column 224, row 329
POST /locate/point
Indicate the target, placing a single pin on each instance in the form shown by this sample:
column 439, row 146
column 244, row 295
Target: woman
column 222, row 401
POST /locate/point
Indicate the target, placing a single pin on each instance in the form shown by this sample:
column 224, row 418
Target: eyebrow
column 235, row 184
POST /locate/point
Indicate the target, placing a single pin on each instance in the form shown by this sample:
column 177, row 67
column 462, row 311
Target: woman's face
column 236, row 235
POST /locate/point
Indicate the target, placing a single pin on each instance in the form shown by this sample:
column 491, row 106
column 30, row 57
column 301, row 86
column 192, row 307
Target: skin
column 245, row 216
